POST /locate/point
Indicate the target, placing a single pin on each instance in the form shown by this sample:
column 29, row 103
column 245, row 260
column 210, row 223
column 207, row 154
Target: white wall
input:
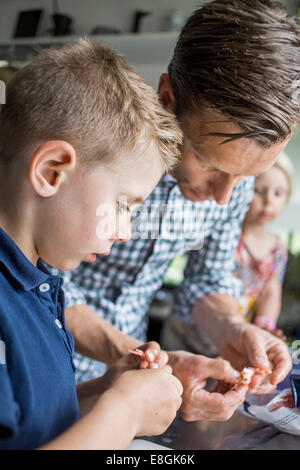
column 115, row 13
column 90, row 13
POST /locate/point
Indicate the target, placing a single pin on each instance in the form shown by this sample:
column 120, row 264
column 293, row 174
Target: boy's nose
column 123, row 232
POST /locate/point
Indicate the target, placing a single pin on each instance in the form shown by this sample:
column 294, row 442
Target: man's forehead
column 208, row 120
column 239, row 158
column 243, row 156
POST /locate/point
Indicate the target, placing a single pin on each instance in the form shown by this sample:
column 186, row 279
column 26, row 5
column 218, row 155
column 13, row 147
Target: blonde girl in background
column 261, row 255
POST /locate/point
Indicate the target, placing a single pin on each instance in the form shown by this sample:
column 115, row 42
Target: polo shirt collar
column 18, row 266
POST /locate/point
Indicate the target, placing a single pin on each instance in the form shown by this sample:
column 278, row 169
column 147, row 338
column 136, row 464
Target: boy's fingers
column 167, row 369
column 153, row 365
column 144, row 364
column 161, row 359
column 152, row 357
column 132, row 360
column 151, row 350
column 177, row 383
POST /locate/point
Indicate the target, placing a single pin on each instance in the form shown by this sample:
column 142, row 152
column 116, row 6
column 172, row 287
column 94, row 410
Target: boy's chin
column 68, row 265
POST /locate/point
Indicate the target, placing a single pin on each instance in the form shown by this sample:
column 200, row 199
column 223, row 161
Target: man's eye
column 207, row 168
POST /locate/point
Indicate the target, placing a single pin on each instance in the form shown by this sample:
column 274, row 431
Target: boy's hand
column 151, row 357
column 154, row 396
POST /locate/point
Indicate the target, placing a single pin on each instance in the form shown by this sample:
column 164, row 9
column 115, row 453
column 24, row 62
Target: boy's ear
column 165, row 91
column 50, row 165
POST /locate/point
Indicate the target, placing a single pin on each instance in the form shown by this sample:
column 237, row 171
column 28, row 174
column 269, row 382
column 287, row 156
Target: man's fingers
column 213, row 406
column 256, row 381
column 227, row 402
column 262, row 389
column 221, row 369
column 282, row 362
column 221, row 387
column 270, row 354
column 256, row 348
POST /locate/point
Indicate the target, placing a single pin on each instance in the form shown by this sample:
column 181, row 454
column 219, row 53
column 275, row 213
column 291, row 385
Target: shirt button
column 58, row 323
column 44, row 287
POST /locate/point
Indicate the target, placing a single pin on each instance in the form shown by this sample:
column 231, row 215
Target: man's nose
column 223, row 186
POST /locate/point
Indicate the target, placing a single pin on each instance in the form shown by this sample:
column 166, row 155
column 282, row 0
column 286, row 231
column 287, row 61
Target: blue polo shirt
column 37, row 383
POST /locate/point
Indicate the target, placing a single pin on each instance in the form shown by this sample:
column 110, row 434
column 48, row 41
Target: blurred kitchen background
column 145, row 32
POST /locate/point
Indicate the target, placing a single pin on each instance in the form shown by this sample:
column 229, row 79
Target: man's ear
column 50, row 165
column 165, row 91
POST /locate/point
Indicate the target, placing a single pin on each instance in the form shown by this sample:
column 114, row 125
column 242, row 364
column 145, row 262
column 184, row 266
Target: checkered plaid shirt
column 120, row 287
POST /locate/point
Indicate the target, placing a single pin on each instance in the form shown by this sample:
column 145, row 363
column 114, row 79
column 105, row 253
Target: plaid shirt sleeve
column 210, row 269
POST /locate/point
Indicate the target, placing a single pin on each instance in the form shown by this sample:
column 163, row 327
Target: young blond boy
column 79, row 132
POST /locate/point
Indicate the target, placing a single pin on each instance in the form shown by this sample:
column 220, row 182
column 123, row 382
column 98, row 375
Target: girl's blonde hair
column 284, row 164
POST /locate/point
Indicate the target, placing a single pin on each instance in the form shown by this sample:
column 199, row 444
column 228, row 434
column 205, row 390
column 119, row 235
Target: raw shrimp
column 248, row 372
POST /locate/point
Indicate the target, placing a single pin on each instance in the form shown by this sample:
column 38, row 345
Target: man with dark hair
column 231, row 83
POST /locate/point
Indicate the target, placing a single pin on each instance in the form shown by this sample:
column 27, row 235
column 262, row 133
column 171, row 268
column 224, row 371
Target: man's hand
column 198, row 404
column 247, row 345
column 242, row 344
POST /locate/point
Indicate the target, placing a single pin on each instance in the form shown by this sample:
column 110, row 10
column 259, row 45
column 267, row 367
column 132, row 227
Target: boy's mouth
column 93, row 256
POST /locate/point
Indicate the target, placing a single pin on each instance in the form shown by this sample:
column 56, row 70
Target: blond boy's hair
column 86, row 94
